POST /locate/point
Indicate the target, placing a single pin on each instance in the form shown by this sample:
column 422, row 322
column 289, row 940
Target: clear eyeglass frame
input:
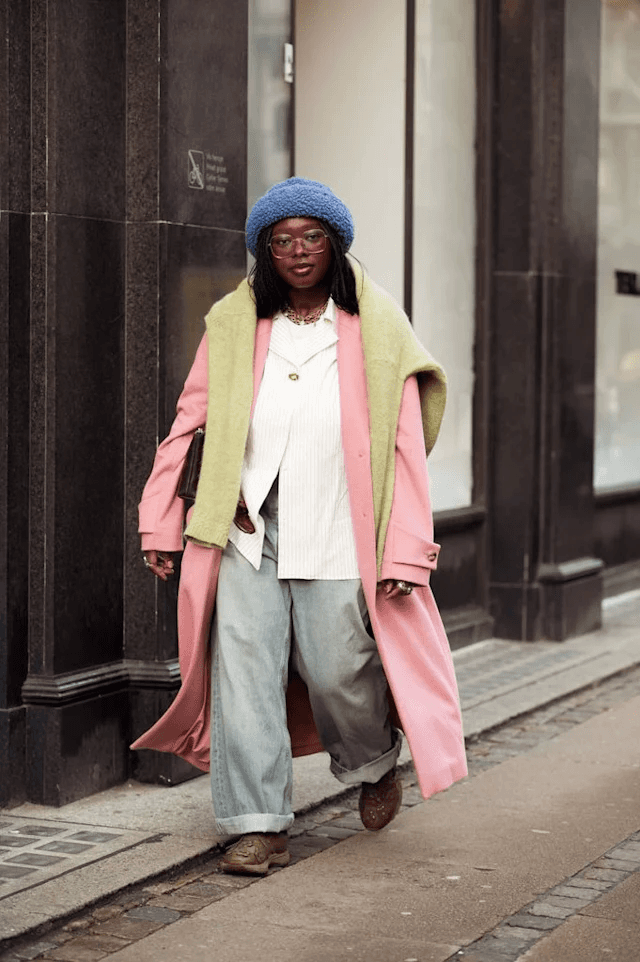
column 312, row 241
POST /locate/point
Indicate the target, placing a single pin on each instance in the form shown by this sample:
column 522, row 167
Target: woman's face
column 301, row 269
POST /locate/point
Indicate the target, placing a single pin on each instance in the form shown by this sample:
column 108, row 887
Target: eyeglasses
column 313, row 242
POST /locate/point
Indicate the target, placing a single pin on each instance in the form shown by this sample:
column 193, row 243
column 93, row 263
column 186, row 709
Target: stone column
column 544, row 579
column 76, row 691
column 186, row 208
column 14, row 391
column 123, row 152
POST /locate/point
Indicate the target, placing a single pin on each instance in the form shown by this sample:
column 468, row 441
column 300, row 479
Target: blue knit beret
column 298, row 197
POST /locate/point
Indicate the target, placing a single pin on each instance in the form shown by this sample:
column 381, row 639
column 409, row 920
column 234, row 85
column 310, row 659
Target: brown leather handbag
column 191, row 470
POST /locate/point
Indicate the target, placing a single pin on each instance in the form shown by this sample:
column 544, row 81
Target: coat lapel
column 356, row 444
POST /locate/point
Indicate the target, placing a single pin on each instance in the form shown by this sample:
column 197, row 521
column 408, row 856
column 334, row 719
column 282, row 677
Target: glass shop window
column 617, row 445
column 444, row 227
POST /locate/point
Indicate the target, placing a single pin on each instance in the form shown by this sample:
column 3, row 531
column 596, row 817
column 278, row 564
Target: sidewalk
column 57, row 861
column 467, row 875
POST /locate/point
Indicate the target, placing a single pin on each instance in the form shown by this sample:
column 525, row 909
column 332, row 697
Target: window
column 444, row 226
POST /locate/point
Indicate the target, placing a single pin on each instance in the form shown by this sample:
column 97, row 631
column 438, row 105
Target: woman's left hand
column 159, row 563
column 396, row 589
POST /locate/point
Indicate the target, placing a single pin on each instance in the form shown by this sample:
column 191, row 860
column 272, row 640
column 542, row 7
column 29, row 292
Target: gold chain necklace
column 298, row 318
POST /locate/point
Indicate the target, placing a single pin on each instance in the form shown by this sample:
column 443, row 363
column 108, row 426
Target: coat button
column 432, row 556
column 293, row 377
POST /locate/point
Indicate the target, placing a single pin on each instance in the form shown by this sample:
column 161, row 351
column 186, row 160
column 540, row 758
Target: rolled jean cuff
column 244, row 824
column 372, row 771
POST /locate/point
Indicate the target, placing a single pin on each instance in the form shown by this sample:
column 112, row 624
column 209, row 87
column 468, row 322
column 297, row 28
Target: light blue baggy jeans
column 259, row 622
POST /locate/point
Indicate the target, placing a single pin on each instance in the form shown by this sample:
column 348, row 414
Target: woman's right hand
column 159, row 563
column 242, row 519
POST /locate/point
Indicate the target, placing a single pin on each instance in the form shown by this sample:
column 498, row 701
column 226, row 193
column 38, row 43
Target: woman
column 310, row 544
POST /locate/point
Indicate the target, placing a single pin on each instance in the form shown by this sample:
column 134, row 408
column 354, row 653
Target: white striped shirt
column 295, row 435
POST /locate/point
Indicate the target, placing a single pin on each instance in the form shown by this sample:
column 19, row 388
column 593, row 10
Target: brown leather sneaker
column 254, row 854
column 380, row 802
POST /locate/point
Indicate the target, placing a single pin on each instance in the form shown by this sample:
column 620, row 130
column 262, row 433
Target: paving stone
column 577, row 892
column 106, row 912
column 193, row 874
column 14, row 841
column 130, row 900
column 32, row 951
column 301, row 825
column 589, row 884
column 628, row 852
column 107, row 942
column 14, row 871
column 182, row 903
column 503, row 754
column 126, row 928
column 230, row 881
column 412, row 796
column 159, row 888
column 324, row 814
column 481, row 955
column 67, row 848
column 492, row 949
column 566, row 902
column 515, row 931
column 60, row 937
column 619, row 864
column 532, row 921
column 603, row 875
column 550, row 911
column 94, row 837
column 583, row 714
column 348, row 821
column 154, row 914
column 311, row 844
column 297, row 830
column 77, row 924
column 476, row 767
column 88, row 948
column 469, row 956
column 69, row 953
column 332, row 831
column 203, row 890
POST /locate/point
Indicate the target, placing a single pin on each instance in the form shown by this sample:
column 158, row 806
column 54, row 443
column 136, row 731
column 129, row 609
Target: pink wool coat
column 408, row 630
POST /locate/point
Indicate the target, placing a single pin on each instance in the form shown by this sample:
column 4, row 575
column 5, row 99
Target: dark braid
column 271, row 292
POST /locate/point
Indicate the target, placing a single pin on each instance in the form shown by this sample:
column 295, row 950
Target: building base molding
column 68, row 687
column 157, row 768
column 618, row 579
column 566, row 601
column 76, row 749
column 110, row 705
column 571, row 607
column 466, row 626
column 12, row 740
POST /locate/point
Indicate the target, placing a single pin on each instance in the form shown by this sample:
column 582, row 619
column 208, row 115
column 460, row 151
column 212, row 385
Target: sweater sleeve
column 410, row 552
column 161, row 511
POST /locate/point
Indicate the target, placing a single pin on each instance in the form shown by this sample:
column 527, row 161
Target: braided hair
column 272, row 293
